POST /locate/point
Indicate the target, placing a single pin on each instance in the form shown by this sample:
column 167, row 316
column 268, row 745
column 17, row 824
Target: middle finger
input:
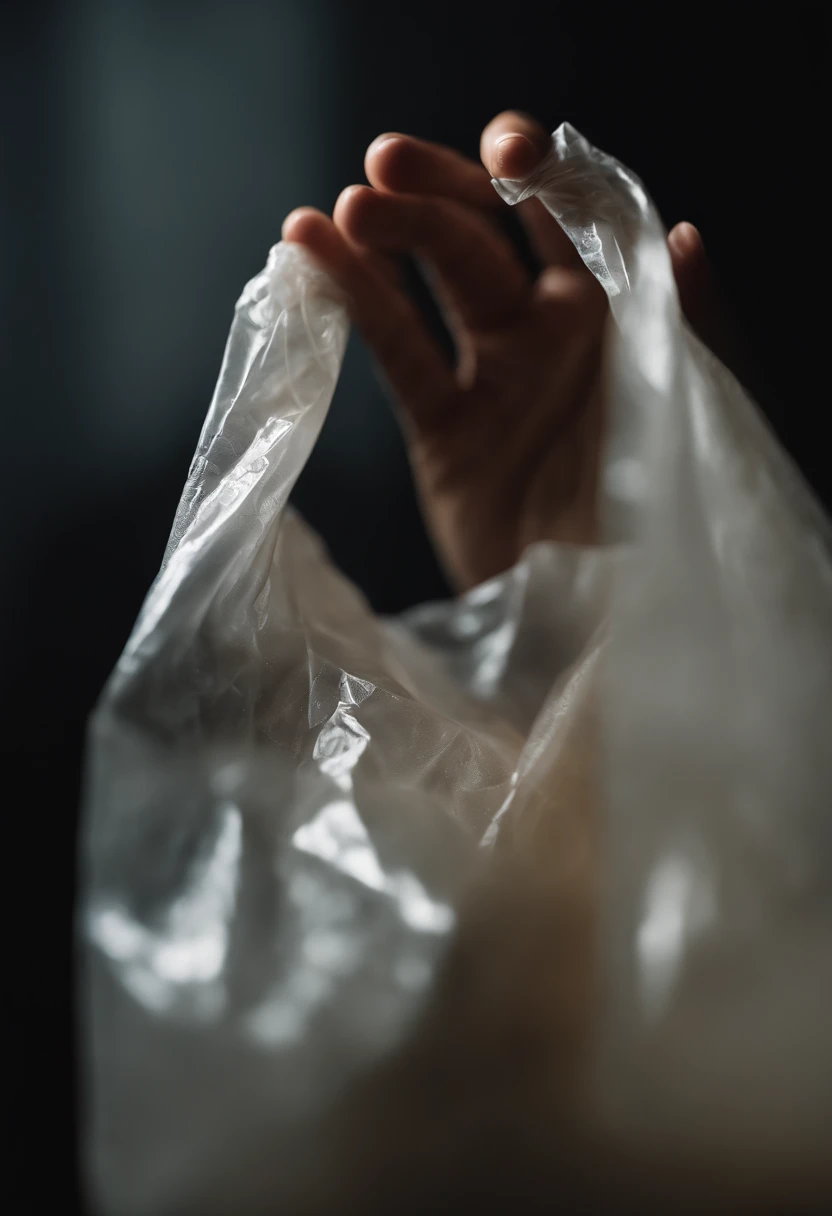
column 475, row 265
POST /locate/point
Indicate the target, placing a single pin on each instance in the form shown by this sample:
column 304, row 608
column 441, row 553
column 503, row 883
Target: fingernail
column 516, row 155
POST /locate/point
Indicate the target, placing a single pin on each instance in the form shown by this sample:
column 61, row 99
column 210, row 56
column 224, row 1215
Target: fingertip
column 316, row 232
column 351, row 207
column 514, row 156
column 301, row 225
column 513, row 144
column 349, row 193
column 385, row 138
column 686, row 240
column 403, row 164
column 383, row 154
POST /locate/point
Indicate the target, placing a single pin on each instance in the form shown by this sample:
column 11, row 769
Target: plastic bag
column 545, row 869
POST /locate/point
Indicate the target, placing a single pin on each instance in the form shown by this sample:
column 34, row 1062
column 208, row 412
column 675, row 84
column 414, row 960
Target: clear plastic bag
column 546, row 868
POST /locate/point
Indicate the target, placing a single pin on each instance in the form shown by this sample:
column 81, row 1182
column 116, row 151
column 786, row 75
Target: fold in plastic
column 299, row 814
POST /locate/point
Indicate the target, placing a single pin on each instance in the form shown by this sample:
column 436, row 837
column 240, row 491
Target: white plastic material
column 293, row 806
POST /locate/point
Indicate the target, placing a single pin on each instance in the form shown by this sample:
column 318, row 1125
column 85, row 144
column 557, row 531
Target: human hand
column 505, row 446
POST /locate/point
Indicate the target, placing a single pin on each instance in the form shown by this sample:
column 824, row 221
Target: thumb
column 705, row 307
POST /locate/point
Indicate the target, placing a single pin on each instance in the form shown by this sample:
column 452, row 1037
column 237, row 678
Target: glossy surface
column 290, row 801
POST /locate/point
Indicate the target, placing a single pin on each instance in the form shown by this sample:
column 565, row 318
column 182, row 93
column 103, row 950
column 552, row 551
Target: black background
column 150, row 151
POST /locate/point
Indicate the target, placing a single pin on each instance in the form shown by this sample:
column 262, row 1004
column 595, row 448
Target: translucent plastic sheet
column 545, row 869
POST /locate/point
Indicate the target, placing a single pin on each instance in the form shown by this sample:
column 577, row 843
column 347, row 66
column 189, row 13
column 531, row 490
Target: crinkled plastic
column 339, row 869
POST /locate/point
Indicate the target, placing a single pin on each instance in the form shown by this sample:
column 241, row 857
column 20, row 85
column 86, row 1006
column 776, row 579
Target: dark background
column 150, row 151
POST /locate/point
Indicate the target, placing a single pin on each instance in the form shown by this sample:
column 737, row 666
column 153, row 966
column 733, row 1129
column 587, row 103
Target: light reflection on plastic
column 493, row 657
column 281, row 1018
column 191, row 948
column 337, row 836
column 678, row 904
column 330, row 951
column 340, row 745
column 467, row 625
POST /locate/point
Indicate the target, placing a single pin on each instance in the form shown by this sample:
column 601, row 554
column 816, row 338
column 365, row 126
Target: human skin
column 505, row 442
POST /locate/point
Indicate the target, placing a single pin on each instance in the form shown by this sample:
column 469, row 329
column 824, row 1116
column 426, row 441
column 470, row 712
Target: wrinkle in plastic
column 289, row 798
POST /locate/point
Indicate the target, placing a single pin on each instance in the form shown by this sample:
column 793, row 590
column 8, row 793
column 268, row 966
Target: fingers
column 548, row 239
column 401, row 164
column 513, row 145
column 697, row 291
column 706, row 310
column 692, row 273
column 476, row 269
column 311, row 228
column 390, row 324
